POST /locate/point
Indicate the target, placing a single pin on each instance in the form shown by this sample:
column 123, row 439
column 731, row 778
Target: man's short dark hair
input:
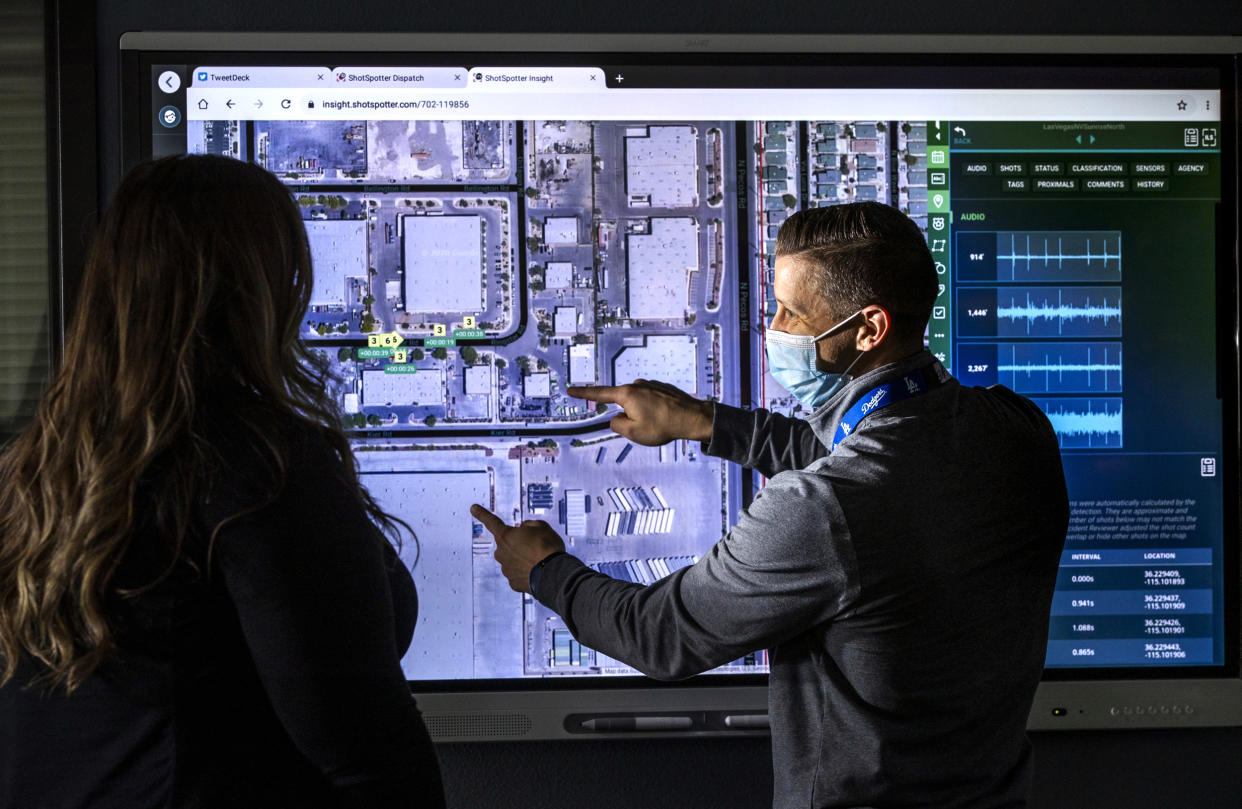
column 865, row 253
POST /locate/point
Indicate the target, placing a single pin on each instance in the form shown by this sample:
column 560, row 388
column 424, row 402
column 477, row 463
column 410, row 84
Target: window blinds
column 24, row 357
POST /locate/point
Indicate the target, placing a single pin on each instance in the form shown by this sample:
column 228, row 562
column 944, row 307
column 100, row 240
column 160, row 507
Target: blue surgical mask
column 791, row 361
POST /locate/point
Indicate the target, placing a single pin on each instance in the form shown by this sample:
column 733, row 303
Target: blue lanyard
column 912, row 384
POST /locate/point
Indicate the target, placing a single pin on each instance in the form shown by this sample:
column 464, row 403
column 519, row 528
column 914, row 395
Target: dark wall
column 1136, row 770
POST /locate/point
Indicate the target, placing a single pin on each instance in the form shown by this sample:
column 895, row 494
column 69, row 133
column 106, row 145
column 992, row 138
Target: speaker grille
column 455, row 726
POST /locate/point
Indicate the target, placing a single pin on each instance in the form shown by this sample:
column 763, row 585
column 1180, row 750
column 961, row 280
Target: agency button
column 1190, row 168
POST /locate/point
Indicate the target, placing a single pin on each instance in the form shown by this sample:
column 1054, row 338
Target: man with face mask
column 899, row 564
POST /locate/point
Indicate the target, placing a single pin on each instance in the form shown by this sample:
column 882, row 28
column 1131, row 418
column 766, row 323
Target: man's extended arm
column 656, row 413
column 785, row 567
column 758, row 439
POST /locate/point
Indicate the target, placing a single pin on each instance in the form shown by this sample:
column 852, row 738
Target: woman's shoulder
column 254, row 452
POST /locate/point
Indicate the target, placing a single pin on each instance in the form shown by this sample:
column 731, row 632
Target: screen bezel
column 941, row 55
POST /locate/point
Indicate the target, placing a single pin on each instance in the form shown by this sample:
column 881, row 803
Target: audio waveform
column 1078, row 256
column 1061, row 367
column 1062, row 256
column 1081, row 423
column 1073, row 312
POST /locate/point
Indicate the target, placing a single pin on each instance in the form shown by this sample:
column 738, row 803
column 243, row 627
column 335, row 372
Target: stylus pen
column 638, row 723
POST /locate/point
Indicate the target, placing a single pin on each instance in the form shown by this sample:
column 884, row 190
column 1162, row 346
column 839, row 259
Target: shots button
column 1010, row 169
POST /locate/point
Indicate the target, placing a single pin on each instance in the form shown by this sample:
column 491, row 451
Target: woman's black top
column 268, row 677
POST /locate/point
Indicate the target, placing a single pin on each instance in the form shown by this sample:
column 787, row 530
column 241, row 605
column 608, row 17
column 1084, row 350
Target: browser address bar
column 702, row 104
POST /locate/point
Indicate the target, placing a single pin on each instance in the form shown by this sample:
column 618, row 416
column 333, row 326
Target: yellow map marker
column 468, row 321
column 400, row 355
column 385, row 340
column 439, row 330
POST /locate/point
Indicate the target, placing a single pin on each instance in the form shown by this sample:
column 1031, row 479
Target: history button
column 1151, row 184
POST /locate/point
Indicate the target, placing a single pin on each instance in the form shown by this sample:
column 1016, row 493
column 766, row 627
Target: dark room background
column 1186, row 768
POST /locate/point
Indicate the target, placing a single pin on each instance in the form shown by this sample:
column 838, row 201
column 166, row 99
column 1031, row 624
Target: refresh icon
column 285, row 103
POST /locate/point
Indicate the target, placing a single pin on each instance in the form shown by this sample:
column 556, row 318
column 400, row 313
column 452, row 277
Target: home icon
column 202, row 103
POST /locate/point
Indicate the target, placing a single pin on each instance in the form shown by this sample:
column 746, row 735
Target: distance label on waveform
column 1030, row 256
column 1042, row 367
column 1039, row 312
column 1084, row 423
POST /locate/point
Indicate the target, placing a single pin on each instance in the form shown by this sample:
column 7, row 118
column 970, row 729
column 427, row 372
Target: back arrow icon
column 229, row 103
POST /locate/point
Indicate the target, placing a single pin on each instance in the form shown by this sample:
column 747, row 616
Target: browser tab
column 208, row 76
column 409, row 77
column 533, row 79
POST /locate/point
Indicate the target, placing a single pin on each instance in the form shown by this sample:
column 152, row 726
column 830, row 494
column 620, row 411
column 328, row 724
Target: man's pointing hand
column 519, row 547
column 655, row 412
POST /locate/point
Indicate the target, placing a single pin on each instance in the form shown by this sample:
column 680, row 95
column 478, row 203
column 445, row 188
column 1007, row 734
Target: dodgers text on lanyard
column 912, row 384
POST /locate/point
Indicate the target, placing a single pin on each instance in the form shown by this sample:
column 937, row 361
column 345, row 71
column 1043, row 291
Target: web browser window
column 485, row 237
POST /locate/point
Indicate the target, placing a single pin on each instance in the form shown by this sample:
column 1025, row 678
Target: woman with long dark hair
column 196, row 606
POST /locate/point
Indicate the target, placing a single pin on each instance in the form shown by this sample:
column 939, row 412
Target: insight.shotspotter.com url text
column 414, row 104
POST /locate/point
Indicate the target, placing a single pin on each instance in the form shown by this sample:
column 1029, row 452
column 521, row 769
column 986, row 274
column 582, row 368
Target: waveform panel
column 1034, row 256
column 1042, row 367
column 1089, row 312
column 1084, row 423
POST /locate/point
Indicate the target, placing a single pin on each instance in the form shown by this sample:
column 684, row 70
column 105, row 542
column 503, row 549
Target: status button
column 1048, row 169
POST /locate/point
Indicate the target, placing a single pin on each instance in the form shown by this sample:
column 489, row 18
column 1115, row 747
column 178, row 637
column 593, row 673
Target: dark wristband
column 538, row 569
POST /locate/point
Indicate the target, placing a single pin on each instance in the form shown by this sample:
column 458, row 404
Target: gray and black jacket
column 901, row 583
